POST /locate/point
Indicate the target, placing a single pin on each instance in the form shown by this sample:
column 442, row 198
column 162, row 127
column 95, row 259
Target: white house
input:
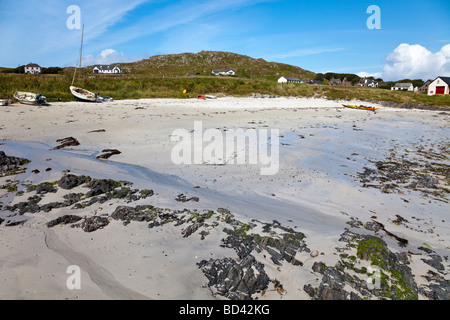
column 403, row 87
column 368, row 83
column 289, row 79
column 108, row 69
column 224, row 72
column 441, row 85
column 32, row 68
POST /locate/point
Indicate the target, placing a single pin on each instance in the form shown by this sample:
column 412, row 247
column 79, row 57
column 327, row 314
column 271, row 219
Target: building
column 424, row 88
column 403, row 87
column 307, row 81
column 289, row 80
column 346, row 83
column 224, row 72
column 441, row 85
column 107, row 69
column 368, row 83
column 32, row 68
column 335, row 82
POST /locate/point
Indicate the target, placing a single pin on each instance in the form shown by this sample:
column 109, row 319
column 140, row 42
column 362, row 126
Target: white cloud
column 107, row 56
column 416, row 62
column 363, row 74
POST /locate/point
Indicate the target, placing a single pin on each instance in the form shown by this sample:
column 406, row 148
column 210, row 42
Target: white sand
column 316, row 190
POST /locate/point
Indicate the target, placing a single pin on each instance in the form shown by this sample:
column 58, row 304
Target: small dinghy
column 83, row 94
column 30, row 97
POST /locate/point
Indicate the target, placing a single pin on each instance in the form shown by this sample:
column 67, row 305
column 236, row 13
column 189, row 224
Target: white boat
column 209, row 96
column 80, row 93
column 30, row 97
column 83, row 94
column 4, row 102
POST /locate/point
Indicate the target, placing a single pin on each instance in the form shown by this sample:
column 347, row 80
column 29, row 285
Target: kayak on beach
column 361, row 107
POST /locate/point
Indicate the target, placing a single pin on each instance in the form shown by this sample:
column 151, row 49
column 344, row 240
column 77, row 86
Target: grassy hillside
column 205, row 61
column 140, row 86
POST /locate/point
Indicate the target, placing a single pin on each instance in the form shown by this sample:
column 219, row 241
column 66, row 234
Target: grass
column 142, row 86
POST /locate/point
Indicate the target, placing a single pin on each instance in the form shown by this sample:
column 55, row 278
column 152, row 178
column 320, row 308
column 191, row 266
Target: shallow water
column 83, row 162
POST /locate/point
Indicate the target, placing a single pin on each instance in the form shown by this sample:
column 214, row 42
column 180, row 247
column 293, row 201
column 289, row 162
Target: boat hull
column 360, row 107
column 83, row 94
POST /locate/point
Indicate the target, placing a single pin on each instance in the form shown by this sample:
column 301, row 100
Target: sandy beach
column 344, row 176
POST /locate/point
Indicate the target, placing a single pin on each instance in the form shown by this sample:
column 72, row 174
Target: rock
column 66, row 142
column 236, row 280
column 11, row 165
column 71, row 181
column 100, row 186
column 319, row 267
column 94, row 223
column 182, row 198
column 435, row 262
column 314, row 253
column 139, row 213
column 66, row 219
column 107, row 153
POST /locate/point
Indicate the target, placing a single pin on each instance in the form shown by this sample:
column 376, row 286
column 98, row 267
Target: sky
column 411, row 38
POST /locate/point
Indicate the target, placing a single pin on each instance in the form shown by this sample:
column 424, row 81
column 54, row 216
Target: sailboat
column 80, row 93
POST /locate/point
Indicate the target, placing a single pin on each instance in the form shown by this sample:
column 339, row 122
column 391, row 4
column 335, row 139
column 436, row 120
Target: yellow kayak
column 360, row 107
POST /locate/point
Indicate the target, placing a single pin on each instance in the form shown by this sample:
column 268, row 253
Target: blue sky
column 321, row 36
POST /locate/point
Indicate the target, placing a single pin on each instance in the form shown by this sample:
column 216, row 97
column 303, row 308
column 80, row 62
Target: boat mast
column 81, row 54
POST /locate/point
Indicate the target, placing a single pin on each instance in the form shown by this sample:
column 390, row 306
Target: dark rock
column 71, row 198
column 94, row 223
column 66, row 219
column 191, row 229
column 236, row 280
column 373, row 226
column 138, row 213
column 101, row 186
column 66, row 142
column 182, row 198
column 71, row 181
column 50, row 206
column 107, row 153
column 11, row 165
column 319, row 267
column 435, row 262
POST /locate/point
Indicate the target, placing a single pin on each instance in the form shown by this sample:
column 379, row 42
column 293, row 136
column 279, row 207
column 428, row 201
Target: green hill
column 203, row 62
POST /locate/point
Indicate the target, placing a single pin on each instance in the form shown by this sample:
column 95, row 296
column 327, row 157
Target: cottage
column 224, row 72
column 368, row 83
column 346, row 83
column 441, row 85
column 32, row 68
column 424, row 88
column 107, row 69
column 403, row 87
column 335, row 82
column 289, row 80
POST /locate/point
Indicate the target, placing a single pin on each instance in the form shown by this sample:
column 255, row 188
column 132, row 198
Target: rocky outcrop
column 71, row 181
column 235, row 279
column 11, row 165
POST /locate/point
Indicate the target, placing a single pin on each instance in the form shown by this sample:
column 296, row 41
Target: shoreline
column 317, row 192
